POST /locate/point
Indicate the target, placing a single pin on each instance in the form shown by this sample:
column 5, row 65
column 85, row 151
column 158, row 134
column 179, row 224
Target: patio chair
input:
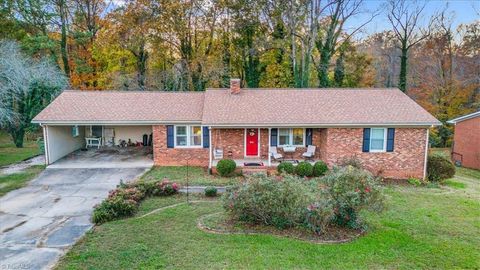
column 275, row 154
column 310, row 153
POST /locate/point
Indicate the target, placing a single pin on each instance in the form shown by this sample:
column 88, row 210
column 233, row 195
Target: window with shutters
column 188, row 136
column 378, row 139
column 291, row 136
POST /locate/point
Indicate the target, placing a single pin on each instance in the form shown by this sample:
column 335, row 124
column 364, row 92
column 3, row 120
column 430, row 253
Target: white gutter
column 426, row 156
column 463, row 118
column 339, row 125
column 131, row 123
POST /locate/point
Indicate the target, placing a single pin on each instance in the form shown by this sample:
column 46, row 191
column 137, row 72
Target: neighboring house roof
column 251, row 107
column 123, row 107
column 314, row 107
column 463, row 118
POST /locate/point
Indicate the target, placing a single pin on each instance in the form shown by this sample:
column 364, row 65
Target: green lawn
column 10, row 182
column 429, row 228
column 197, row 176
column 10, row 154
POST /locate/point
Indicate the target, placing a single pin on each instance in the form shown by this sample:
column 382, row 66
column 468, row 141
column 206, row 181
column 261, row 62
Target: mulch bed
column 220, row 224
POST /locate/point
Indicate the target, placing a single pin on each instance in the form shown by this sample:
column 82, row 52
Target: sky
column 463, row 11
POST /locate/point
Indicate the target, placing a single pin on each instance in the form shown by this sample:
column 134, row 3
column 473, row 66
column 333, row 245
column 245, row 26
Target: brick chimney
column 235, row 86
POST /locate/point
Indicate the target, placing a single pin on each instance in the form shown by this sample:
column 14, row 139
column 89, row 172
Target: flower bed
column 319, row 205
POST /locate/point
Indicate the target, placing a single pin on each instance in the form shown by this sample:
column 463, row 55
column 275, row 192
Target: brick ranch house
column 384, row 128
column 466, row 140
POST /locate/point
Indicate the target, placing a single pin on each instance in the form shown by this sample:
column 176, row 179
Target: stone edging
column 207, row 229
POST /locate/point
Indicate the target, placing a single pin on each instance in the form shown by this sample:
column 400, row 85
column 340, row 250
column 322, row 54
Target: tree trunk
column 63, row 42
column 339, row 70
column 325, row 56
column 142, row 67
column 402, row 83
column 17, row 136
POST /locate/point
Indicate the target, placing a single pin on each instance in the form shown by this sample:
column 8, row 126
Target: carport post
column 45, row 143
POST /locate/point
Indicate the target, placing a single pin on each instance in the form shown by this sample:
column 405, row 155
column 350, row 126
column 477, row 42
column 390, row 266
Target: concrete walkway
column 20, row 166
column 199, row 189
column 39, row 222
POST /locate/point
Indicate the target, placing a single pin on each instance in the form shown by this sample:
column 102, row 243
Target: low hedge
column 439, row 168
column 125, row 199
column 333, row 200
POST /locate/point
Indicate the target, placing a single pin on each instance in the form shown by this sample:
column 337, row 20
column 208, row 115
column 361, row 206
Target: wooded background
column 191, row 45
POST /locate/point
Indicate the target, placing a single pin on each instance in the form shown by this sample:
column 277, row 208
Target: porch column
column 269, row 143
column 210, row 147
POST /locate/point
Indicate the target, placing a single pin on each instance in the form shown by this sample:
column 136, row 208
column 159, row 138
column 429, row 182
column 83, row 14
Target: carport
column 65, row 145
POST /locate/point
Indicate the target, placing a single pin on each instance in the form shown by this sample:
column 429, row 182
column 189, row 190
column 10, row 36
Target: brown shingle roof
column 320, row 107
column 124, row 106
column 252, row 107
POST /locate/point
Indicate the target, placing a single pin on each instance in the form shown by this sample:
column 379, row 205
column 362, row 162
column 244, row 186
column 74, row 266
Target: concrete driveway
column 39, row 222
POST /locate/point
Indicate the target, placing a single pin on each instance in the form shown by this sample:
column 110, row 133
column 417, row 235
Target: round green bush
column 349, row 190
column 319, row 168
column 286, row 167
column 265, row 200
column 210, row 191
column 304, row 169
column 439, row 168
column 226, row 167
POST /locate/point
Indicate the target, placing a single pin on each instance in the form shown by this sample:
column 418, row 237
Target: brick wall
column 230, row 140
column 407, row 159
column 467, row 142
column 163, row 156
column 233, row 140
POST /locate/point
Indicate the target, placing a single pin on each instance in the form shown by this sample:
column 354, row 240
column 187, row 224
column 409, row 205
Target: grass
column 10, row 154
column 197, row 176
column 13, row 181
column 429, row 228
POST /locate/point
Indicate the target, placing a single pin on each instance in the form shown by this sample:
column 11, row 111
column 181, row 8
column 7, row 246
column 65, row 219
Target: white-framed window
column 378, row 139
column 188, row 136
column 291, row 136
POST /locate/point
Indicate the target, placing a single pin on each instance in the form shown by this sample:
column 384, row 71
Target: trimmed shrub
column 147, row 188
column 210, row 191
column 414, row 181
column 114, row 207
column 350, row 161
column 304, row 169
column 165, row 188
column 226, row 167
column 439, row 168
column 319, row 168
column 124, row 200
column 286, row 167
column 265, row 200
column 350, row 190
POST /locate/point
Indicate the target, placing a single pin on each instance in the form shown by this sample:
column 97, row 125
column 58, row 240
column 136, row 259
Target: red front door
column 251, row 139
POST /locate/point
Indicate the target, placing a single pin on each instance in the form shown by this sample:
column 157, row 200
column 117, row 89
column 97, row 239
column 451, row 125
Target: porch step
column 254, row 170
